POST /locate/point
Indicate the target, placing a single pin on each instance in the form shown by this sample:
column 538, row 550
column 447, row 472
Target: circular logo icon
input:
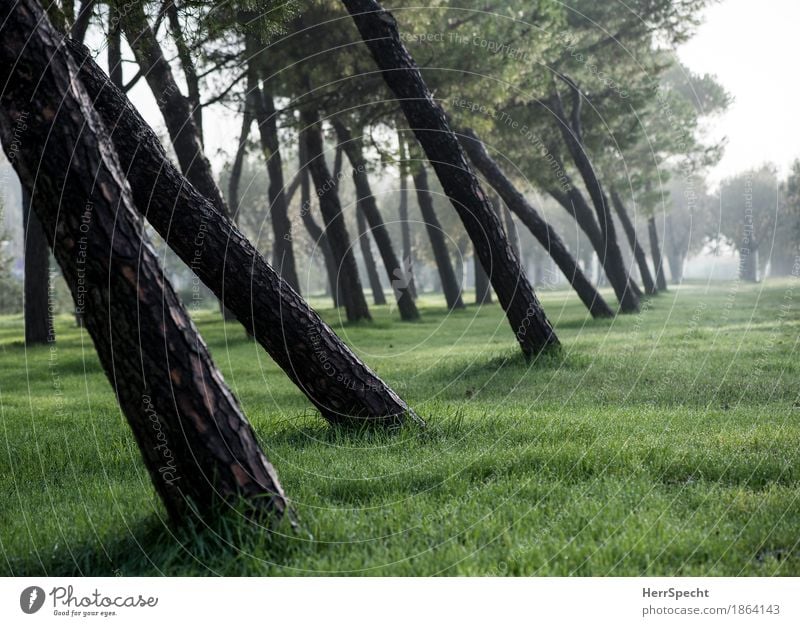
column 31, row 599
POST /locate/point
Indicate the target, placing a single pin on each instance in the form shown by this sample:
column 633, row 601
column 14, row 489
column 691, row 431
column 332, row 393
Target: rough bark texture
column 174, row 106
column 540, row 229
column 405, row 224
column 444, row 264
column 346, row 269
column 625, row 288
column 398, row 278
column 267, row 120
column 315, row 359
column 658, row 258
column 315, row 232
column 379, row 31
column 638, row 252
column 38, row 318
column 369, row 259
column 197, row 445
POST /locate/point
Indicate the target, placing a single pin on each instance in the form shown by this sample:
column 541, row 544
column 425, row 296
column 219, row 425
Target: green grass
column 665, row 443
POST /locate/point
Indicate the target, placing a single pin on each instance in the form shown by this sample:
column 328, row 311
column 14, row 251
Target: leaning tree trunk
column 238, row 160
column 658, row 258
column 114, row 52
column 638, row 252
column 187, row 65
column 266, row 118
column 369, row 260
column 316, row 233
column 540, row 229
column 174, row 107
column 398, row 278
column 625, row 288
column 315, row 359
column 196, row 442
column 447, row 275
column 379, row 31
column 38, row 315
column 510, row 224
column 405, row 225
column 346, row 269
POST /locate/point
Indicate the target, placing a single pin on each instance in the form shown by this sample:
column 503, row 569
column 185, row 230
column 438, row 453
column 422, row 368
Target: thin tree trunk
column 114, row 54
column 38, row 315
column 447, row 276
column 510, row 224
column 198, row 447
column 398, row 278
column 626, row 290
column 78, row 31
column 369, row 260
column 638, row 252
column 540, row 229
column 315, row 232
column 187, row 64
column 238, row 161
column 315, row 359
column 346, row 269
column 379, row 31
column 483, row 287
column 267, row 119
column 174, row 106
column 405, row 224
column 658, row 258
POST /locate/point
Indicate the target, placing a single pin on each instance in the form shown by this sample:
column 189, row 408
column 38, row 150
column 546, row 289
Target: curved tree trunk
column 405, row 225
column 379, row 31
column 346, row 269
column 38, row 316
column 342, row 387
column 369, row 260
column 398, row 278
column 638, row 252
column 658, row 258
column 238, row 160
column 540, row 229
column 447, row 275
column 196, row 442
column 625, row 288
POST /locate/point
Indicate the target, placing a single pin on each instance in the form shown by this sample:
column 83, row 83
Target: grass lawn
column 665, row 443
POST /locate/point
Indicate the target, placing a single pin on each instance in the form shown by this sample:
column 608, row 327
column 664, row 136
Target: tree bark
column 315, row 359
column 398, row 278
column 625, row 288
column 379, row 31
column 447, row 276
column 174, row 106
column 238, row 160
column 315, row 232
column 78, row 31
column 369, row 260
column 187, row 65
column 638, row 252
column 198, row 447
column 114, row 54
column 355, row 303
column 540, row 229
column 405, row 224
column 658, row 258
column 266, row 118
column 38, row 315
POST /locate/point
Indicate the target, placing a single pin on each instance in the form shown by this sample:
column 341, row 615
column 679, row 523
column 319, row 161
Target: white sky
column 752, row 48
